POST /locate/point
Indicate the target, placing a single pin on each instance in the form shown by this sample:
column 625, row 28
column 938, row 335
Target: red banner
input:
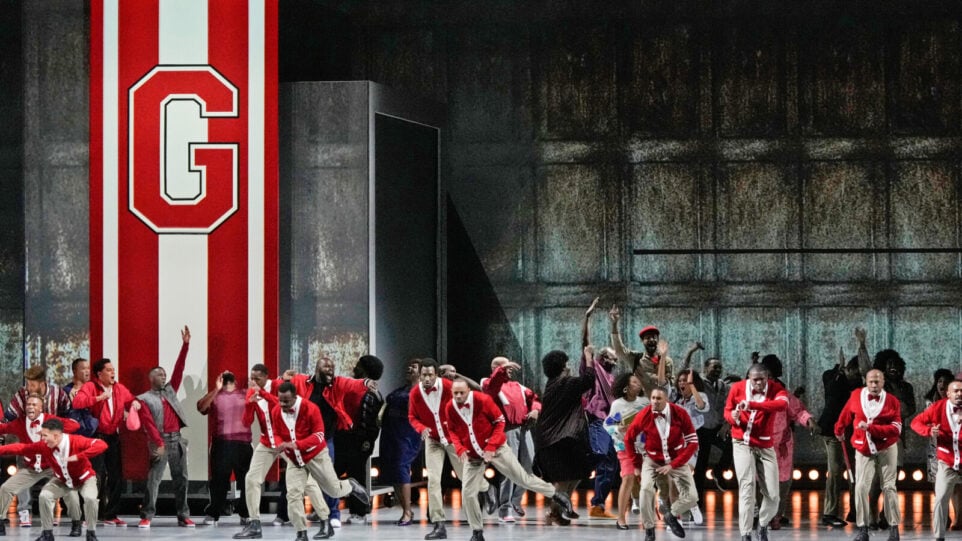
column 183, row 185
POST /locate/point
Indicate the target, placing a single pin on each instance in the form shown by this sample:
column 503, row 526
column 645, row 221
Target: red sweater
column 884, row 426
column 682, row 439
column 514, row 399
column 343, row 394
column 483, row 432
column 947, row 442
column 754, row 425
column 421, row 416
column 18, row 428
column 261, row 410
column 308, row 434
column 81, row 447
column 121, row 399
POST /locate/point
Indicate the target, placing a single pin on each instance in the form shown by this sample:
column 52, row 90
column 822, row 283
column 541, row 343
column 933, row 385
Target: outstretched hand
column 591, row 308
column 185, row 335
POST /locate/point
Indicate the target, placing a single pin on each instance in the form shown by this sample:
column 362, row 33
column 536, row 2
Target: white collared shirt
column 871, row 409
column 663, row 424
column 433, row 400
column 467, row 414
column 33, row 432
column 61, row 453
column 290, row 420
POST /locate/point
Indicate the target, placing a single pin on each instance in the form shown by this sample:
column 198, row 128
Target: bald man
column 521, row 407
column 943, row 421
column 877, row 421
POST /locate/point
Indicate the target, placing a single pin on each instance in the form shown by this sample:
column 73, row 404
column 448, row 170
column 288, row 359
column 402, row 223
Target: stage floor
column 719, row 511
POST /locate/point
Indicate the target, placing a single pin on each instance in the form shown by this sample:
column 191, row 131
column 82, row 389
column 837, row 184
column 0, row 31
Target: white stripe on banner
column 255, row 184
column 182, row 259
column 110, row 216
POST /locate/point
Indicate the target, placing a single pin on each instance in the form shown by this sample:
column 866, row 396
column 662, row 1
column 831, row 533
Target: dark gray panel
column 750, row 93
column 928, row 77
column 408, row 58
column 659, row 96
column 842, row 210
column 924, row 206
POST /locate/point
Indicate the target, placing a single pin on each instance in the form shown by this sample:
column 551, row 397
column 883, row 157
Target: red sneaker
column 116, row 521
column 144, row 523
column 186, row 523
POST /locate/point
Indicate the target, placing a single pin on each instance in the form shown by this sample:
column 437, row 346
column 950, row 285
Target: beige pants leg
column 296, row 480
column 888, row 461
column 88, row 491
column 53, row 491
column 507, row 463
column 434, row 454
column 261, row 462
column 457, row 466
column 473, row 476
column 684, row 481
column 751, row 462
column 23, row 479
column 885, row 465
column 945, row 481
column 302, row 481
column 646, row 500
column 317, row 499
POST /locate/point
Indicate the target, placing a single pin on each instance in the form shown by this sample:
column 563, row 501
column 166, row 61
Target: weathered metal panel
column 924, row 206
column 575, row 82
column 667, row 209
column 762, row 329
column 574, row 219
column 842, row 209
column 750, row 81
column 757, row 208
column 928, row 77
column 842, row 78
column 659, row 95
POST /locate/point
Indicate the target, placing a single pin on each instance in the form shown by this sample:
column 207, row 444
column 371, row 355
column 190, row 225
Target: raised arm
column 585, row 335
column 688, row 355
column 864, row 361
column 177, row 375
column 616, row 343
column 205, row 402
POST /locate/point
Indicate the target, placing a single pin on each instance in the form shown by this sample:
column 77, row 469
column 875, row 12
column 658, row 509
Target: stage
column 719, row 511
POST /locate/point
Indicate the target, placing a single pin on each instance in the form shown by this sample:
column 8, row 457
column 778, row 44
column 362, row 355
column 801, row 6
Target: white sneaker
column 335, row 523
column 508, row 518
column 634, row 507
column 25, row 520
column 278, row 521
column 355, row 519
column 210, row 521
column 696, row 516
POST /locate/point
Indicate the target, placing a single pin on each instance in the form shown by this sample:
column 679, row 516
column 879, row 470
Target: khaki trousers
column 321, row 470
column 505, row 462
column 261, row 463
column 56, row 489
column 434, row 454
column 26, row 478
column 945, row 480
column 682, row 478
column 885, row 463
column 751, row 463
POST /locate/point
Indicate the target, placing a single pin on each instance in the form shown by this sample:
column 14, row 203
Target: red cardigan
column 343, row 394
column 946, row 446
column 121, row 398
column 308, row 431
column 253, row 410
column 682, row 438
column 81, row 447
column 484, row 433
column 421, row 417
column 18, row 427
column 754, row 425
column 884, row 429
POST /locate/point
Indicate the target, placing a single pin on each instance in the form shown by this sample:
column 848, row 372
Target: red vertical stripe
column 96, row 177
column 138, row 258
column 272, row 182
column 227, row 246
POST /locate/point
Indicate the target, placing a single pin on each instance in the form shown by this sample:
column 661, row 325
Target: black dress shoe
column 477, row 535
column 76, row 528
column 92, row 536
column 564, row 502
column 744, row 538
column 621, row 526
column 649, row 534
column 251, row 531
column 763, row 534
column 862, row 534
column 301, row 536
column 3, row 529
column 894, row 533
column 326, row 531
column 439, row 532
column 832, row 520
column 46, row 535
column 672, row 521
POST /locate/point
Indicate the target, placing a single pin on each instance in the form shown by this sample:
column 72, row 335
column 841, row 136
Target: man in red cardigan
column 943, row 421
column 477, row 433
column 69, row 458
column 427, row 413
column 750, row 409
column 877, row 420
column 670, row 442
column 301, row 430
column 27, row 430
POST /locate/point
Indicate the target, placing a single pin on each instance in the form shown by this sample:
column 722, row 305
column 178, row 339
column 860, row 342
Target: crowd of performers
column 644, row 424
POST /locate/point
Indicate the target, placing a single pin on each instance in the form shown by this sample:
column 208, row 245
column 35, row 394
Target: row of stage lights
column 728, row 475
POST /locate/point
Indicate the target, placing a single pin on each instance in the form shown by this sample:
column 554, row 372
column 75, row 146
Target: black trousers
column 110, row 474
column 708, row 437
column 351, row 459
column 228, row 457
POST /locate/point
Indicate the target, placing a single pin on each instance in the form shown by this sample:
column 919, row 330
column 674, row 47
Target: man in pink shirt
column 230, row 450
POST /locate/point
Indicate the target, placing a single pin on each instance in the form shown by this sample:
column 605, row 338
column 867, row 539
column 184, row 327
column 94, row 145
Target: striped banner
column 183, row 185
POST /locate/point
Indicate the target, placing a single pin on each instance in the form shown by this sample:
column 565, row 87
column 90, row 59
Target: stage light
column 918, row 475
column 488, row 473
column 709, row 475
column 796, row 474
column 813, row 475
column 11, row 470
column 845, row 475
column 901, row 475
column 454, row 475
column 375, row 472
column 424, row 473
column 728, row 474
